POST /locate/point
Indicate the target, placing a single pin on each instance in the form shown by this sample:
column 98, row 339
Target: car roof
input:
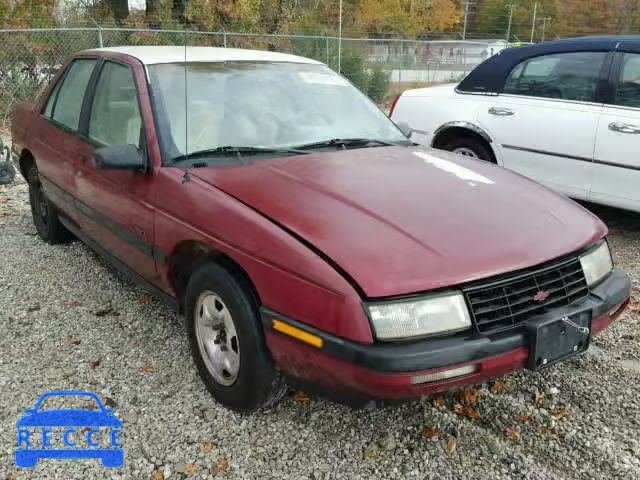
column 491, row 74
column 151, row 55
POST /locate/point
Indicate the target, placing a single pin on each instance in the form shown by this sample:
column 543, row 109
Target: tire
column 470, row 147
column 44, row 213
column 228, row 345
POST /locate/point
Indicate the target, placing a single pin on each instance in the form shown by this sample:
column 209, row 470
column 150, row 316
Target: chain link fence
column 380, row 68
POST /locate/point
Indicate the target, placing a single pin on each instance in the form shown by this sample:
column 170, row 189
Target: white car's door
column 546, row 118
column 616, row 176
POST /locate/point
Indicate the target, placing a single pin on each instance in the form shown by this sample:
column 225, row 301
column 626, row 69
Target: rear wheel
column 44, row 213
column 469, row 147
column 227, row 341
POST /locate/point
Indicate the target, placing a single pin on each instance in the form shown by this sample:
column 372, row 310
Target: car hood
column 402, row 220
column 69, row 418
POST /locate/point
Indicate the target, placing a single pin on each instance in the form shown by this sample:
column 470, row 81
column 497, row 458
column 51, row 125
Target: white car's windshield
column 261, row 104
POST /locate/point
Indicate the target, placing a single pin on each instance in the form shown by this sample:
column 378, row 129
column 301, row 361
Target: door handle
column 624, row 127
column 501, row 112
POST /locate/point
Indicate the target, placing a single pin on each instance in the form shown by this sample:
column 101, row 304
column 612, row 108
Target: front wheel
column 227, row 340
column 469, row 147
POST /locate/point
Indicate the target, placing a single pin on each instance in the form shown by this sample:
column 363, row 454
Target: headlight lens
column 596, row 264
column 440, row 313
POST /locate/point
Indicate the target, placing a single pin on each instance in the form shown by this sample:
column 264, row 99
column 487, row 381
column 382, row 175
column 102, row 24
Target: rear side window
column 567, row 76
column 115, row 114
column 67, row 107
column 628, row 89
column 48, row 109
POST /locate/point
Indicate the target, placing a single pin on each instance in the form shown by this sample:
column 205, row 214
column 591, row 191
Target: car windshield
column 262, row 104
column 74, row 402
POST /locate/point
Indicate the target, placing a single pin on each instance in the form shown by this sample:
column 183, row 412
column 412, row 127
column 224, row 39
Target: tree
column 581, row 17
column 407, row 18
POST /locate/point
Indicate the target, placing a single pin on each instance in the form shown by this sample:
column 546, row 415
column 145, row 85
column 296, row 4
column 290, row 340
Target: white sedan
column 565, row 113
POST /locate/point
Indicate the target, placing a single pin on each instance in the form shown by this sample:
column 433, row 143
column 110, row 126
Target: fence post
column 224, row 38
column 100, row 43
column 326, row 41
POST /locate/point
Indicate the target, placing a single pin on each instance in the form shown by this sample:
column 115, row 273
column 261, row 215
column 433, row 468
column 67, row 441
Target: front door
column 616, row 178
column 117, row 204
column 545, row 120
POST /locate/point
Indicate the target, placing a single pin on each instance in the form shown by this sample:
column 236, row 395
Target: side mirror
column 119, row 157
column 30, row 410
column 109, row 411
column 404, row 127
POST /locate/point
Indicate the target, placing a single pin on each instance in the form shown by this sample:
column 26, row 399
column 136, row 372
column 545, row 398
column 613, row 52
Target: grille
column 508, row 302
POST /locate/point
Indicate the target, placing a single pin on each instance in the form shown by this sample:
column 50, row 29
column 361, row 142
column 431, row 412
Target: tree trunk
column 178, row 11
column 151, row 11
column 120, row 10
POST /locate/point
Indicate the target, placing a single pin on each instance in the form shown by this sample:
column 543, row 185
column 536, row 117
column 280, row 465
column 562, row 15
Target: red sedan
column 301, row 234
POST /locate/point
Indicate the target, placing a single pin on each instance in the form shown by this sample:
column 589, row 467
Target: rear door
column 545, row 120
column 616, row 178
column 56, row 142
column 117, row 204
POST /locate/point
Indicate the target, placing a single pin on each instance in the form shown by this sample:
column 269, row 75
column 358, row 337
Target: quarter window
column 628, row 90
column 567, row 76
column 115, row 114
column 66, row 110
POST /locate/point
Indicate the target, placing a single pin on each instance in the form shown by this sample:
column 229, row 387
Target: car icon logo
column 80, row 433
column 541, row 296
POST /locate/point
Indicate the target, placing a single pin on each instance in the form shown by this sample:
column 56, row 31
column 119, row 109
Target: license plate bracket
column 553, row 340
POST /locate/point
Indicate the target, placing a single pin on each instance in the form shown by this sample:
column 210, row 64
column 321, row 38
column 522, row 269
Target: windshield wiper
column 237, row 150
column 348, row 142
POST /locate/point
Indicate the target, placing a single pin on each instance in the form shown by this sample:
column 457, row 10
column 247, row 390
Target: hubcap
column 465, row 152
column 217, row 338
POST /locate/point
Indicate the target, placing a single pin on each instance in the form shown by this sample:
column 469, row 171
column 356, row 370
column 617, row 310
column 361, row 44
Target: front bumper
column 390, row 370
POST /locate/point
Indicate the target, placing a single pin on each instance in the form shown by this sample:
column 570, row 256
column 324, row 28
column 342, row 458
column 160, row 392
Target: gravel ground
column 68, row 321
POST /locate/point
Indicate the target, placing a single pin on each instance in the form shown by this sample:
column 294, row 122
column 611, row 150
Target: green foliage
column 378, row 87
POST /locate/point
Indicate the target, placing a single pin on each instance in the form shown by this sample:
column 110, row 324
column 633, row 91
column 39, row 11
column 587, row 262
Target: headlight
column 596, row 264
column 438, row 313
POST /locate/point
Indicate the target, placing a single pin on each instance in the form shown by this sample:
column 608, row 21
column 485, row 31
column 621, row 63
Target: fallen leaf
column 439, row 402
column 468, row 396
column 538, row 398
column 158, row 474
column 561, row 414
column 145, row 298
column 191, row 469
column 513, row 434
column 103, row 312
column 73, row 341
column 33, row 308
column 148, row 367
column 499, row 387
column 452, row 444
column 72, row 304
column 465, row 411
column 96, row 363
column 431, row 432
column 634, row 304
column 221, row 467
column 301, row 397
column 526, row 419
column 207, row 447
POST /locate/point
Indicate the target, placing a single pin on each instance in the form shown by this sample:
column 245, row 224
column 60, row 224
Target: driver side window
column 567, row 76
column 115, row 114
